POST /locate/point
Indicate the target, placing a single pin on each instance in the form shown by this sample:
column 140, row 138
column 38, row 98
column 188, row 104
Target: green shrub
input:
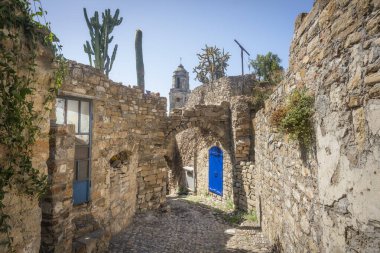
column 259, row 95
column 295, row 118
column 230, row 204
column 237, row 217
column 250, row 216
column 277, row 116
column 182, row 190
column 233, row 217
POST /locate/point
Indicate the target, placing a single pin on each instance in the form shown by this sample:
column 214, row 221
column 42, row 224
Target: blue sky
column 179, row 28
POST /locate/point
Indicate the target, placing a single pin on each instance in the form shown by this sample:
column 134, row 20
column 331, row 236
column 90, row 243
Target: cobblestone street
column 187, row 227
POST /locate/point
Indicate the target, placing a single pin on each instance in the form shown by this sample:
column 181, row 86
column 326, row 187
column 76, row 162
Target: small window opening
column 178, row 82
column 120, row 159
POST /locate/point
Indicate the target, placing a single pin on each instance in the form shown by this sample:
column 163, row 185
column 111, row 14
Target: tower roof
column 180, row 68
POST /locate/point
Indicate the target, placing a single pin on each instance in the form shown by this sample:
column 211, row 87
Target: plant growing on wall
column 212, row 64
column 139, row 60
column 100, row 39
column 295, row 118
column 267, row 68
column 258, row 97
column 19, row 121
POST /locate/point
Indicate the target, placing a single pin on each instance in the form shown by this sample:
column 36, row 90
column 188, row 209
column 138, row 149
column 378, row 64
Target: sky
column 174, row 29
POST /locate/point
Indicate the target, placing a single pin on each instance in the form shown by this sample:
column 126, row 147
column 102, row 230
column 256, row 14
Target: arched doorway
column 215, row 176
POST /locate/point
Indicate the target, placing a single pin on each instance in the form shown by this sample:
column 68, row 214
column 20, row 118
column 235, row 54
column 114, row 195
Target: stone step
column 83, row 229
column 96, row 241
column 84, row 225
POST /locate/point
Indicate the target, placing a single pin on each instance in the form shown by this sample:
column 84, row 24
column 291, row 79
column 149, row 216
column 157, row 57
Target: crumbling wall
column 56, row 227
column 24, row 211
column 222, row 89
column 128, row 169
column 124, row 119
column 191, row 146
column 195, row 131
column 243, row 95
column 245, row 188
column 194, row 145
column 287, row 188
column 329, row 201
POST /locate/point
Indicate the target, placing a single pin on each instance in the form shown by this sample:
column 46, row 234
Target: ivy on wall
column 19, row 121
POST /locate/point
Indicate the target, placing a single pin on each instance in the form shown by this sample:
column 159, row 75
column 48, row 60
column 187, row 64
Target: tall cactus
column 100, row 39
column 139, row 60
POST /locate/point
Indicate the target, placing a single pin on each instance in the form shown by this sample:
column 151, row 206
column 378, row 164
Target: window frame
column 89, row 145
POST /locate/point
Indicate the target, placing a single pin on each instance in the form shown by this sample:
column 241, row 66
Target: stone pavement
column 187, row 227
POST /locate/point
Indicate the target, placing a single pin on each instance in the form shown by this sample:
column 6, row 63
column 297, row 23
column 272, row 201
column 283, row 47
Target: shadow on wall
column 193, row 131
column 174, row 161
column 191, row 147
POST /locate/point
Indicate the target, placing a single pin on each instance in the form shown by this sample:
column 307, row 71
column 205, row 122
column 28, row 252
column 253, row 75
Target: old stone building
column 326, row 201
column 109, row 150
column 216, row 117
column 108, row 139
column 329, row 203
column 180, row 90
column 102, row 147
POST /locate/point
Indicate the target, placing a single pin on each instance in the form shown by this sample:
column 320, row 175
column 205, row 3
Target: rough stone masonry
column 124, row 121
column 330, row 202
column 128, row 169
column 325, row 202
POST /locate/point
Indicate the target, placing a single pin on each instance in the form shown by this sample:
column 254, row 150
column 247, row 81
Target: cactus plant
column 212, row 64
column 139, row 60
column 100, row 39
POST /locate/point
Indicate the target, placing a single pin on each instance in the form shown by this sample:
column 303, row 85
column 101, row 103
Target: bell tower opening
column 180, row 88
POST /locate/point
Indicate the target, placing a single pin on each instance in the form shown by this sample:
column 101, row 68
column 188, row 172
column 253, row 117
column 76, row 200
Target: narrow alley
column 186, row 226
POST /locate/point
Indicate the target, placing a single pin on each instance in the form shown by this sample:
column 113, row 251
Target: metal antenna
column 242, row 50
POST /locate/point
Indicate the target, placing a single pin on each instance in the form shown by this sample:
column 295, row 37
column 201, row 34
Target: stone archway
column 191, row 133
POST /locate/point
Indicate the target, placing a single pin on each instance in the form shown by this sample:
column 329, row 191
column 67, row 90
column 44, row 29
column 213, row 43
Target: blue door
column 215, row 176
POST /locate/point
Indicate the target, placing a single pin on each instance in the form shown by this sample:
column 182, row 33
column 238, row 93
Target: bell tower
column 180, row 88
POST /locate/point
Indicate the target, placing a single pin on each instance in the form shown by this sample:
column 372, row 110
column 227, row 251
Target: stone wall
column 328, row 200
column 24, row 211
column 324, row 201
column 193, row 132
column 192, row 145
column 245, row 186
column 287, row 188
column 223, row 89
column 124, row 121
column 241, row 93
column 57, row 228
